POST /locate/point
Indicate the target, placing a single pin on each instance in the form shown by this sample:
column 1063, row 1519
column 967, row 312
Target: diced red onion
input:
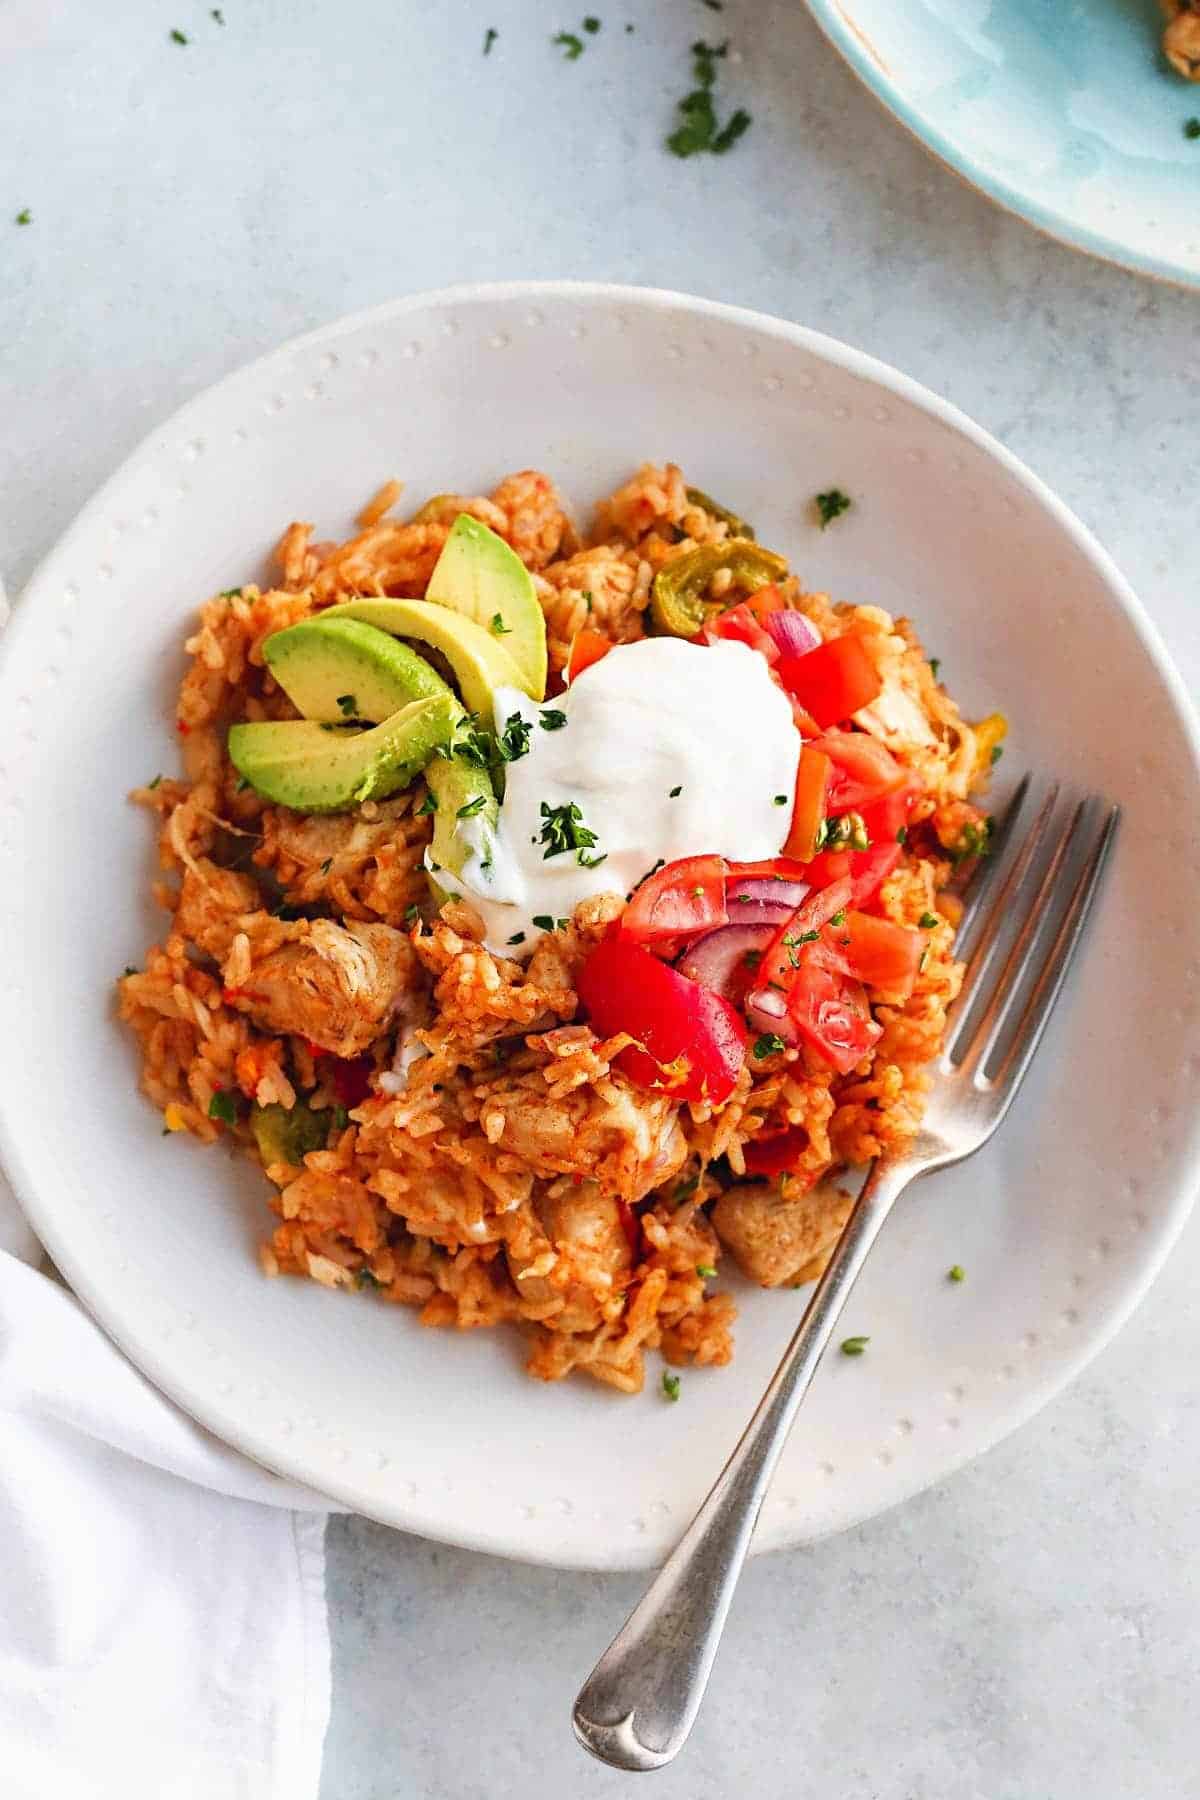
column 718, row 958
column 793, row 633
column 767, row 1011
column 763, row 900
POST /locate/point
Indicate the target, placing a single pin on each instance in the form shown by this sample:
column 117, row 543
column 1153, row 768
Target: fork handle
column 638, row 1705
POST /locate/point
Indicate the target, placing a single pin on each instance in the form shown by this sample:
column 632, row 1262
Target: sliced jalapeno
column 677, row 602
column 738, row 527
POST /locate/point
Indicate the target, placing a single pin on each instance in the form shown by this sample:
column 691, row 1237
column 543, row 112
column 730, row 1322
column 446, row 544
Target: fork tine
column 980, row 956
column 983, row 879
column 1045, row 991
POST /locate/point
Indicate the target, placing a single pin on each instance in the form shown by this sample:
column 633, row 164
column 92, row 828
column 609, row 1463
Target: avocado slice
column 339, row 669
column 478, row 575
column 324, row 768
column 480, row 661
column 285, row 1136
column 457, row 785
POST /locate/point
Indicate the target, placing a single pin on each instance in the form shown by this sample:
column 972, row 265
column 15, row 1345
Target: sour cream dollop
column 669, row 749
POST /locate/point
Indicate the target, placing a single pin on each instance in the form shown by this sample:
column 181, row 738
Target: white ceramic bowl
column 1059, row 1225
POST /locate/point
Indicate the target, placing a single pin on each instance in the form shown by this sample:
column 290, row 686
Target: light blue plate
column 1063, row 111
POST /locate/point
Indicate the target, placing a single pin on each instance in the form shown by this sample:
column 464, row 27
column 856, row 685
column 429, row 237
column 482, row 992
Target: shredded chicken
column 337, row 985
column 629, row 1140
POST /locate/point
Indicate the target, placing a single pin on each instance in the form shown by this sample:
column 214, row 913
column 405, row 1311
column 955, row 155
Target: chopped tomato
column 878, row 952
column 811, row 803
column 805, row 724
column 678, row 901
column 764, row 600
column 741, row 625
column 587, row 648
column 834, row 680
column 782, row 958
column 831, row 1014
column 349, row 1077
column 865, row 870
column 863, row 769
column 776, row 1154
column 886, row 818
column 691, row 1044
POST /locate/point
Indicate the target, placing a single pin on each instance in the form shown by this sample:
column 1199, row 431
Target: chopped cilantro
column 499, row 627
column 752, row 958
column 839, row 917
column 543, row 921
column 1191, row 128
column 563, row 829
column 412, row 913
column 428, row 804
column 230, row 594
column 347, row 705
column 489, row 38
column 242, row 784
column 591, row 25
column 685, row 1189
column 769, row 1044
column 129, row 969
column 550, row 719
column 591, row 862
column 699, row 129
column 561, row 924
column 902, row 835
column 513, row 741
column 781, row 799
column 714, row 5
column 974, row 840
column 674, row 793
column 214, row 12
column 706, row 1272
column 935, row 663
column 364, row 1278
column 854, row 1346
column 327, row 865
column 927, row 921
column 24, row 217
column 518, row 937
column 587, row 597
column 471, row 807
column 222, row 1106
column 178, row 37
column 956, row 1273
column 629, row 28
column 832, row 505
column 670, row 1385
column 153, row 784
column 996, row 752
column 571, row 46
column 341, row 1118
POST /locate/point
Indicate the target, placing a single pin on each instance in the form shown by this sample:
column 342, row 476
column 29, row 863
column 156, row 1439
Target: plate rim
column 1051, row 222
column 141, row 1349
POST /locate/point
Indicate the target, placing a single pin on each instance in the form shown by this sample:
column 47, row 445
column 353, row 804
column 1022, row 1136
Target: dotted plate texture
column 1059, row 1226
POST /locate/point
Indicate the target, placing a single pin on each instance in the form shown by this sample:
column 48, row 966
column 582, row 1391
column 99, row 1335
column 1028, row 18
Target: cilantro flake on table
column 1191, row 128
column 699, row 130
column 670, row 1385
column 24, row 217
column 570, row 45
column 489, row 38
column 179, row 37
column 832, row 505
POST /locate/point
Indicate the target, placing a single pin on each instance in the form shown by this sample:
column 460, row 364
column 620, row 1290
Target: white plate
column 1060, row 1225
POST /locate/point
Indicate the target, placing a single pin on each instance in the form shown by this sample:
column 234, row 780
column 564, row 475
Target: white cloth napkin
column 162, row 1600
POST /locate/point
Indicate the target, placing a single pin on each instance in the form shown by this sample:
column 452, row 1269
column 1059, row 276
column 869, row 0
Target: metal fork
column 640, row 1702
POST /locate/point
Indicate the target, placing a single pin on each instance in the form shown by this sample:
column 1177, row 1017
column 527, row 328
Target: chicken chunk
column 629, row 1141
column 214, row 905
column 583, row 1262
column 337, row 985
column 779, row 1241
